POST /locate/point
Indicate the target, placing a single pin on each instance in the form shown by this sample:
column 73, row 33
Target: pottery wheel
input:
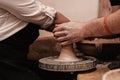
column 50, row 64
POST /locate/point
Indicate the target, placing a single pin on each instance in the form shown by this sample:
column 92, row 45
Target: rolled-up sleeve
column 30, row 11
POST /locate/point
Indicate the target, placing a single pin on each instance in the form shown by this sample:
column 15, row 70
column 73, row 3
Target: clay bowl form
column 112, row 75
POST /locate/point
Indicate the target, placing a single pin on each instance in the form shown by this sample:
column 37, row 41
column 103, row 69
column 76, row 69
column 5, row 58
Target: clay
column 67, row 54
column 67, row 61
column 49, row 63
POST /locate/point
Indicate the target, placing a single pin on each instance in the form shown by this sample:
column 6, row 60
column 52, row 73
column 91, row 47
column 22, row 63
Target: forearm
column 59, row 18
column 97, row 27
column 114, row 22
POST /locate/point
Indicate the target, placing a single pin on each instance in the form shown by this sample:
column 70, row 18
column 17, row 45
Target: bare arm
column 59, row 18
column 70, row 32
column 114, row 22
column 97, row 26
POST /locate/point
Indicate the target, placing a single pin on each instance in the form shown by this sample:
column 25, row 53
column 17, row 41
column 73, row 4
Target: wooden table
column 96, row 74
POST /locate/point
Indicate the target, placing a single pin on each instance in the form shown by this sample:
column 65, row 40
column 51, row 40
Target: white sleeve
column 30, row 11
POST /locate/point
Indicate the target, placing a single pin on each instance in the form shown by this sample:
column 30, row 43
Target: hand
column 69, row 32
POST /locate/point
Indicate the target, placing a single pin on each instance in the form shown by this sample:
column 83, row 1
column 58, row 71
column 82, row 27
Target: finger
column 58, row 28
column 61, row 39
column 75, row 40
column 60, row 34
column 65, row 43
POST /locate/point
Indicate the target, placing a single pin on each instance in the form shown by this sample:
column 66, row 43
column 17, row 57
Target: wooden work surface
column 96, row 74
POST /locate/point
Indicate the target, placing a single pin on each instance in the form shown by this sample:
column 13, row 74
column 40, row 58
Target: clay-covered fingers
column 59, row 31
column 63, row 38
column 60, row 34
column 58, row 28
column 63, row 41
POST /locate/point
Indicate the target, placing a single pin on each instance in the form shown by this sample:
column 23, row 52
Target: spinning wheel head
column 85, row 63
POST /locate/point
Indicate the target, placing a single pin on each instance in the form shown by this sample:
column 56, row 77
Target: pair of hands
column 67, row 32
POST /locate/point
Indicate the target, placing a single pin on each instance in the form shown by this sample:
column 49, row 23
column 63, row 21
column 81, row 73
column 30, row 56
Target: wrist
column 105, row 25
column 93, row 28
column 87, row 30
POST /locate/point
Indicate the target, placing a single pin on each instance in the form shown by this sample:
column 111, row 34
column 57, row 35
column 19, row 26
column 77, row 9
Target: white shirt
column 15, row 15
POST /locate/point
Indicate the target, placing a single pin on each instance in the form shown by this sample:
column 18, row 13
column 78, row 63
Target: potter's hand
column 68, row 33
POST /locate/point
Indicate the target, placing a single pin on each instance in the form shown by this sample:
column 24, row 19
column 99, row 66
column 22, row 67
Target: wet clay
column 67, row 54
